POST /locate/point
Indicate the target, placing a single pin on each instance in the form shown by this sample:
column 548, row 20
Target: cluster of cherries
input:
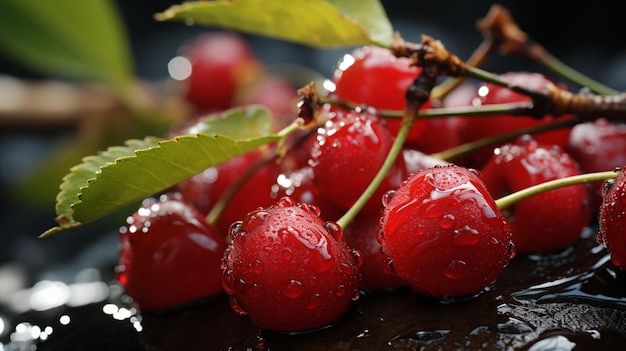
column 432, row 225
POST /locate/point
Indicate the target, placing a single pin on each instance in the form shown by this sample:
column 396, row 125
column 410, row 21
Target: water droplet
column 387, row 197
column 457, row 269
column 311, row 209
column 446, row 221
column 389, row 267
column 293, row 289
column 287, row 253
column 228, row 281
column 257, row 266
column 314, row 302
column 285, row 202
column 235, row 229
column 512, row 250
column 341, row 290
column 236, row 306
column 466, row 236
column 356, row 294
column 334, row 230
column 358, row 258
column 255, row 218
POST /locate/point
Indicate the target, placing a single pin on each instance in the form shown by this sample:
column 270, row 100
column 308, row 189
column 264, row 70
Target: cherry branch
column 499, row 24
column 551, row 100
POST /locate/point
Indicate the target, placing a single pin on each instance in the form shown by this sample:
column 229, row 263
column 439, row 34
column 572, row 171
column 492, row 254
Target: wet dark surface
column 573, row 300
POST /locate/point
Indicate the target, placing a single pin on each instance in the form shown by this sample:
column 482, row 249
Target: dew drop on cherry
column 341, row 290
column 293, row 289
column 334, row 230
column 235, row 229
column 314, row 302
column 228, row 281
column 236, row 306
column 387, row 197
column 356, row 294
column 446, row 221
column 257, row 266
column 457, row 269
column 466, row 236
column 286, row 253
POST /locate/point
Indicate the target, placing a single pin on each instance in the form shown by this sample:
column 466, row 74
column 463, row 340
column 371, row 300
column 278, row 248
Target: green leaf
column 316, row 23
column 123, row 175
column 237, row 123
column 75, row 39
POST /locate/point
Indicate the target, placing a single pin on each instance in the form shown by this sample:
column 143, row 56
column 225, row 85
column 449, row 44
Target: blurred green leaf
column 122, row 175
column 75, row 39
column 316, row 23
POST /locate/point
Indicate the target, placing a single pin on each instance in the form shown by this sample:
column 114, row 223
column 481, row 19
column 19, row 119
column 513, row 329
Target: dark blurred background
column 590, row 38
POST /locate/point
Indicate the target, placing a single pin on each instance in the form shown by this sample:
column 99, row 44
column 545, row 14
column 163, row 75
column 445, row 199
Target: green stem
column 216, row 211
column 471, row 146
column 565, row 71
column 511, row 199
column 394, row 152
column 514, row 108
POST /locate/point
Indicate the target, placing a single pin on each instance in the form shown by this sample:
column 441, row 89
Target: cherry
column 362, row 235
column 288, row 270
column 443, row 233
column 612, row 219
column 375, row 77
column 299, row 185
column 169, row 255
column 486, row 126
column 545, row 222
column 598, row 146
column 221, row 64
column 349, row 150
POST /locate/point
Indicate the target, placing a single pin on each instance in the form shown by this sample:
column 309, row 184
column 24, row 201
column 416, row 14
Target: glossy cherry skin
column 612, row 219
column 546, row 222
column 487, row 126
column 373, row 76
column 169, row 254
column 349, row 150
column 598, row 146
column 288, row 270
column 362, row 235
column 443, row 233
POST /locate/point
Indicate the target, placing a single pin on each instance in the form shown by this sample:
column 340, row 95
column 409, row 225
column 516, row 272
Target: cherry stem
column 544, row 58
column 511, row 199
column 471, row 146
column 514, row 109
column 216, row 211
column 394, row 152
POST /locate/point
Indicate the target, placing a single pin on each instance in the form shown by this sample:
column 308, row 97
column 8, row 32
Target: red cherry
column 288, row 270
column 549, row 221
column 486, row 126
column 612, row 230
column 169, row 255
column 444, row 234
column 598, row 146
column 221, row 63
column 362, row 235
column 375, row 77
column 349, row 151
